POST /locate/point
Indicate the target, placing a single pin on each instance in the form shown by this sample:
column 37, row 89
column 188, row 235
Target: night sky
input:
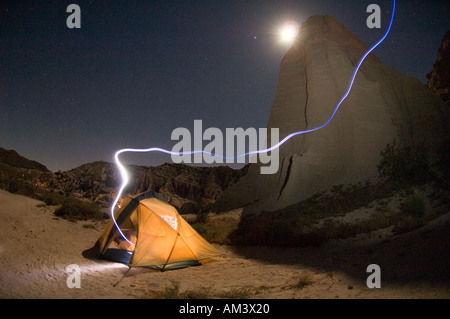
column 136, row 70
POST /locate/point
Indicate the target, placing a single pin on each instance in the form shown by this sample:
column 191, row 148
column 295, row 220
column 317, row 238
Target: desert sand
column 36, row 247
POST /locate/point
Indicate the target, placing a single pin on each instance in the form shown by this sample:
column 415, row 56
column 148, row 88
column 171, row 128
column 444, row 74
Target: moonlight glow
column 289, row 32
column 124, row 173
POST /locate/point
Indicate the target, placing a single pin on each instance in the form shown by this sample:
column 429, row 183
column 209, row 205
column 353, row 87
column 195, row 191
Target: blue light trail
column 124, row 173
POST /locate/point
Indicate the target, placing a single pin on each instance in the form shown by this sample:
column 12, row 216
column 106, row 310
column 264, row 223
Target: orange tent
column 156, row 236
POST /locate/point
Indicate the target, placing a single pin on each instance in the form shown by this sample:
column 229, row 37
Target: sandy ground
column 36, row 247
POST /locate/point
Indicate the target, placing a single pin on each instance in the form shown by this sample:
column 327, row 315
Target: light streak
column 124, row 173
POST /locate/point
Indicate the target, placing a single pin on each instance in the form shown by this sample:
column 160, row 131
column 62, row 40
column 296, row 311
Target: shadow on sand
column 420, row 256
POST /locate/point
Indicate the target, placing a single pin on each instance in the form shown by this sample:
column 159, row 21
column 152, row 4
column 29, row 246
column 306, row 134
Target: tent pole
column 171, row 251
column 123, row 276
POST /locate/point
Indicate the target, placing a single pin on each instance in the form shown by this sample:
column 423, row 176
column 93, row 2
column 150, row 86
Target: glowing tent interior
column 156, row 236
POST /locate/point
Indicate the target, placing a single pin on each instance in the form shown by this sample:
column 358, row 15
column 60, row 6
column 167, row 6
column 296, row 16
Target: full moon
column 289, row 32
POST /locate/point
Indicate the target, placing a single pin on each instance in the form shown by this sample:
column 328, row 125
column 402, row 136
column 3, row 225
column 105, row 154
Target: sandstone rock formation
column 383, row 105
column 179, row 184
column 99, row 181
column 439, row 77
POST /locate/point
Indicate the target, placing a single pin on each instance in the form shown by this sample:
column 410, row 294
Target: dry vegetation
column 365, row 218
column 408, row 195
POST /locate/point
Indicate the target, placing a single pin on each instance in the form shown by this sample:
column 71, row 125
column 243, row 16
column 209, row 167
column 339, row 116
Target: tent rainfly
column 161, row 238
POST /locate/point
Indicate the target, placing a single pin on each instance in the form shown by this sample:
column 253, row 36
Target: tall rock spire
column 383, row 105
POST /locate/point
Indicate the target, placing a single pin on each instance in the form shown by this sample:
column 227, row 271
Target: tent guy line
column 123, row 171
column 164, row 240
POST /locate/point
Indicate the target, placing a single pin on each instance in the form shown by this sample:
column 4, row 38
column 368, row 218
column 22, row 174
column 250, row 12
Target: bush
column 21, row 188
column 238, row 293
column 407, row 224
column 188, row 208
column 202, row 216
column 414, row 205
column 217, row 230
column 300, row 228
column 53, row 199
column 303, row 281
column 75, row 209
column 404, row 163
column 13, row 187
column 278, row 228
column 174, row 293
column 198, row 208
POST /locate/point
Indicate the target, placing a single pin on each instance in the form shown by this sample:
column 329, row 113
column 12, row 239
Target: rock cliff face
column 439, row 77
column 383, row 105
column 179, row 184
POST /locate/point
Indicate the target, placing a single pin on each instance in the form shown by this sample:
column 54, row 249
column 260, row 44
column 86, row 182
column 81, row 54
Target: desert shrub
column 75, row 209
column 201, row 228
column 413, row 214
column 414, row 205
column 298, row 229
column 53, row 199
column 198, row 293
column 217, row 230
column 291, row 226
column 21, row 188
column 404, row 163
column 238, row 293
column 173, row 292
column 13, row 187
column 198, row 208
column 407, row 224
column 202, row 216
column 188, row 208
column 90, row 226
column 304, row 280
column 441, row 169
column 276, row 229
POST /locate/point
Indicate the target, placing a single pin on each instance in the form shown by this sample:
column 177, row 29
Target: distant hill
column 179, row 184
column 12, row 158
